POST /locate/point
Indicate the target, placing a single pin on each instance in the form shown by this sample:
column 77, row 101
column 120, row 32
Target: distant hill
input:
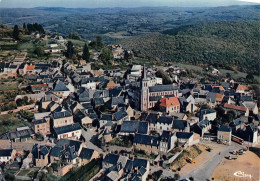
column 230, row 45
column 113, row 23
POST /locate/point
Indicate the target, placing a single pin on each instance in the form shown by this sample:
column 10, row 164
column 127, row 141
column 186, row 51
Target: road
column 205, row 171
column 88, row 135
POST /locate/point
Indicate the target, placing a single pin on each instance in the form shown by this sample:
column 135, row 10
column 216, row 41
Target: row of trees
column 30, row 28
column 27, row 28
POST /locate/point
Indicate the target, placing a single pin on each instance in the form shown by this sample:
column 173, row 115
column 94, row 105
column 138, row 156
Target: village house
column 86, row 155
column 167, row 142
column 185, row 137
column 164, row 124
column 41, row 126
column 147, row 143
column 72, row 131
column 61, row 119
column 133, row 127
column 202, row 127
column 224, row 134
column 41, row 155
column 240, row 110
column 208, row 114
column 6, row 155
column 170, row 105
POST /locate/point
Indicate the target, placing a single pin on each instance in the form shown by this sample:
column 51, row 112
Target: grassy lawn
column 79, row 43
column 9, row 123
column 23, row 172
column 143, row 154
column 26, row 45
column 8, row 86
column 124, row 142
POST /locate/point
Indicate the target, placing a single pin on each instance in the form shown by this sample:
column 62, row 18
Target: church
column 146, row 96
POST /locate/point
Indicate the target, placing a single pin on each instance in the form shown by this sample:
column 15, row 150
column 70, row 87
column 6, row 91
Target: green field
column 9, row 123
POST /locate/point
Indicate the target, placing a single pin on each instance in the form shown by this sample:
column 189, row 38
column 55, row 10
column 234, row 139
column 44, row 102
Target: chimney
column 157, row 116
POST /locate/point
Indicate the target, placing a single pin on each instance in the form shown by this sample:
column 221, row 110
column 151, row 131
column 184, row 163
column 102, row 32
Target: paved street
column 205, row 171
column 88, row 135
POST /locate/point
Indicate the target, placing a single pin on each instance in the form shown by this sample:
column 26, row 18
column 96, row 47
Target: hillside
column 232, row 45
column 114, row 23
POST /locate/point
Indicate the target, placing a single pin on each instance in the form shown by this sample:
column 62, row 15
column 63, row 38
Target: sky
column 120, row 3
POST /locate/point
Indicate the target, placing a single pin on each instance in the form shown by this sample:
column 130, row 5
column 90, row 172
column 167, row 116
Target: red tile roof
column 171, row 101
column 230, row 106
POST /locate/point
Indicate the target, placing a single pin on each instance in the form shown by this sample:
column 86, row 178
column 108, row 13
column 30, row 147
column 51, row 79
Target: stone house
column 224, row 134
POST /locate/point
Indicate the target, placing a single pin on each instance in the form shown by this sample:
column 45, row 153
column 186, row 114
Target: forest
column 229, row 45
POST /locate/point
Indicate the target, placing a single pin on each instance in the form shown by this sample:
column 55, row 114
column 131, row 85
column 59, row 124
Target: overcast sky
column 119, row 3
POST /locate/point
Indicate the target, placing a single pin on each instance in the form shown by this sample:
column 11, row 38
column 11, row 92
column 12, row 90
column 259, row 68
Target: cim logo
column 242, row 174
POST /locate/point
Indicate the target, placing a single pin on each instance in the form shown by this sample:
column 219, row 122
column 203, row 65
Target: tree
column 107, row 56
column 228, row 75
column 70, row 50
column 16, row 32
column 24, row 26
column 166, row 79
column 96, row 123
column 99, row 42
column 250, row 77
column 39, row 51
column 73, row 36
column 86, row 54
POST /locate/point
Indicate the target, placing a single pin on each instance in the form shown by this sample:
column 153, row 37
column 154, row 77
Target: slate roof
column 165, row 136
column 165, row 120
column 27, row 133
column 67, row 128
column 120, row 115
column 246, row 98
column 40, row 121
column 180, row 124
column 107, row 117
column 114, row 92
column 138, row 162
column 184, row 135
column 155, row 98
column 111, row 159
column 151, row 118
column 211, row 97
column 116, row 100
column 161, row 88
column 60, row 87
column 134, row 127
column 146, row 140
column 57, row 150
column 38, row 151
column 224, row 128
column 203, row 123
column 6, row 152
column 64, row 114
column 98, row 101
column 86, row 153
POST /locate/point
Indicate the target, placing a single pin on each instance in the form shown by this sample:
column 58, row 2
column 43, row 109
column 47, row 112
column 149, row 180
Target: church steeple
column 144, row 96
column 144, row 77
